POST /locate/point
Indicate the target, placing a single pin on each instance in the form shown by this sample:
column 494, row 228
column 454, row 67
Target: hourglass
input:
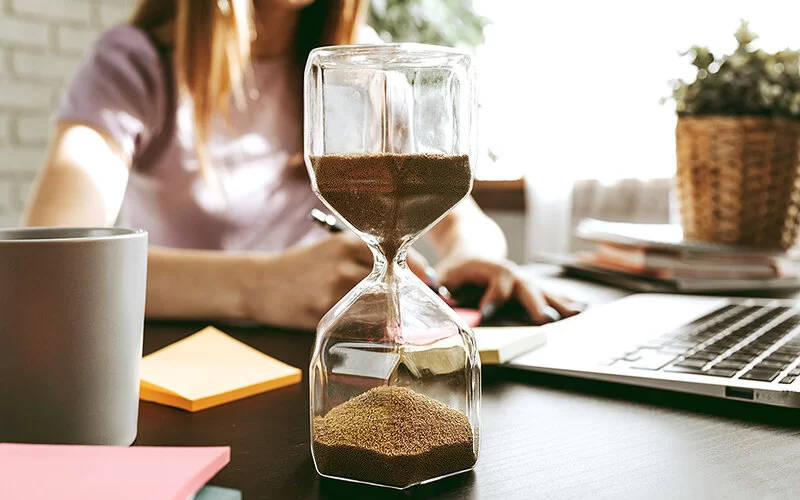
column 395, row 373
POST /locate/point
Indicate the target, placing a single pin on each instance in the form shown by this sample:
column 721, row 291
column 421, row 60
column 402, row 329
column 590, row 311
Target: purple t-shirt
column 125, row 88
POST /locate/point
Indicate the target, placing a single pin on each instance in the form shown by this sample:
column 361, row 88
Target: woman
column 187, row 123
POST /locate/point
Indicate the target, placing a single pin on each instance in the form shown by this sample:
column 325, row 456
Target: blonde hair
column 212, row 38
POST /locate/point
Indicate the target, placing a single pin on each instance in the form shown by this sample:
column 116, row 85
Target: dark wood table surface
column 542, row 436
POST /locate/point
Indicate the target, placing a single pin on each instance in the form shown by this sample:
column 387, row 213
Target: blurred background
column 571, row 122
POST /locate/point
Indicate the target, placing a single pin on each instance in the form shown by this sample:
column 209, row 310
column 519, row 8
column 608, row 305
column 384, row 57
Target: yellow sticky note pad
column 498, row 344
column 208, row 369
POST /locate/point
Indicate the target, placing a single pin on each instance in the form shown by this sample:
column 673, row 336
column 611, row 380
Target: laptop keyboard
column 739, row 341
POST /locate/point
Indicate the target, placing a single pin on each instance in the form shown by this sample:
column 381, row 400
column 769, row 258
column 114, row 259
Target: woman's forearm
column 196, row 284
column 291, row 289
column 468, row 232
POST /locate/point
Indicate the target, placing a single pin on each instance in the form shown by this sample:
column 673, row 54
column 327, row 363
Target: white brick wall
column 35, row 66
column 6, row 196
column 73, row 41
column 19, row 159
column 49, row 10
column 41, row 43
column 109, row 14
column 22, row 189
column 19, row 32
column 32, row 130
column 20, row 95
column 5, row 130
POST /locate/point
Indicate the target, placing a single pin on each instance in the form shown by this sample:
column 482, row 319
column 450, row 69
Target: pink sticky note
column 471, row 316
column 34, row 472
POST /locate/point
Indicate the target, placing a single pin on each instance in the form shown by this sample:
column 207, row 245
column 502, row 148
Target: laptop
column 733, row 348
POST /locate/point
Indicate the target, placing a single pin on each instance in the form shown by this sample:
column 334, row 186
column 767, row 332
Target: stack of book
column 656, row 258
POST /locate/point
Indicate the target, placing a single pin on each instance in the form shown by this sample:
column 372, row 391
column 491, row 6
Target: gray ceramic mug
column 71, row 321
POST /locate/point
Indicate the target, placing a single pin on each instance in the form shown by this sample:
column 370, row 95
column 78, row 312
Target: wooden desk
column 542, row 436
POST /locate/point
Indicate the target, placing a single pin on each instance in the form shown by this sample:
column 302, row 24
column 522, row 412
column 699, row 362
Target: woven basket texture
column 738, row 180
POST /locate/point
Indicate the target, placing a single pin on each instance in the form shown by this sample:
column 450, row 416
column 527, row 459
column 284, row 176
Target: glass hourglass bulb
column 395, row 374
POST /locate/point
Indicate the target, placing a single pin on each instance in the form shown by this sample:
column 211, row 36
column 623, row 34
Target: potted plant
column 453, row 23
column 738, row 146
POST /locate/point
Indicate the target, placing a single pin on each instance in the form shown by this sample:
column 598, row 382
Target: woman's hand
column 504, row 281
column 296, row 288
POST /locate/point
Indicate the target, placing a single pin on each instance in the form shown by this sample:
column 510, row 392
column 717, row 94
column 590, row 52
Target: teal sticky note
column 218, row 493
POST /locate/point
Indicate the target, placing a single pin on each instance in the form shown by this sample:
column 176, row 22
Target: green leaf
column 702, row 57
column 744, row 37
column 443, row 22
column 747, row 82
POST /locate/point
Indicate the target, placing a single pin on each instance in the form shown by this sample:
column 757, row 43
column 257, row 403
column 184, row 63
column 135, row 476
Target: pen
column 328, row 221
column 332, row 224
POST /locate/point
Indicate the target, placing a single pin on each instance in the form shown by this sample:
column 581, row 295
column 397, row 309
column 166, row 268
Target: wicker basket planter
column 738, row 180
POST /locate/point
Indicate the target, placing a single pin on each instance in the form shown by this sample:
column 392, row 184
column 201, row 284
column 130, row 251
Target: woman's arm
column 468, row 232
column 83, row 183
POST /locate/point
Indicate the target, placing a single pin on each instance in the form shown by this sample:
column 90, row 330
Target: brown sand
column 392, row 196
column 393, row 436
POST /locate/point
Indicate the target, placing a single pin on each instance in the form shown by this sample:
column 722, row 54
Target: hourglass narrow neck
column 390, row 262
